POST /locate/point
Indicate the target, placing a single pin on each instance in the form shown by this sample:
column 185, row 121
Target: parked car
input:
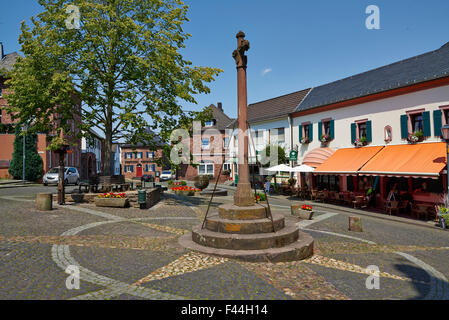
column 166, row 175
column 71, row 176
column 147, row 178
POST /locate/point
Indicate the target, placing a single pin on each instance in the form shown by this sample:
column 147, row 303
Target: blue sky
column 299, row 44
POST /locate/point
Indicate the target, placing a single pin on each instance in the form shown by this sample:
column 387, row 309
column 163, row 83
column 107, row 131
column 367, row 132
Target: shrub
column 183, row 183
column 260, row 197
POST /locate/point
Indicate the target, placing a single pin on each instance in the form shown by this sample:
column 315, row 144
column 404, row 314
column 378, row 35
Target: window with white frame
column 277, row 135
column 226, row 141
column 205, row 144
column 206, row 168
column 227, row 166
column 258, row 137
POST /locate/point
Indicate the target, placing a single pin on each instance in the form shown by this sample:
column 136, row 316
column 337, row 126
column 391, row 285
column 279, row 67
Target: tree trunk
column 107, row 155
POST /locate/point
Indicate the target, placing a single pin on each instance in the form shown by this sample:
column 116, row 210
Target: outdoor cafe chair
column 392, row 206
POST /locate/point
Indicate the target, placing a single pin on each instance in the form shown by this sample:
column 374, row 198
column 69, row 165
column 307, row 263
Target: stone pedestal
column 44, row 201
column 355, row 224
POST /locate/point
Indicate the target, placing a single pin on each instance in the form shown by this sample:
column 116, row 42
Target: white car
column 71, row 176
column 166, row 175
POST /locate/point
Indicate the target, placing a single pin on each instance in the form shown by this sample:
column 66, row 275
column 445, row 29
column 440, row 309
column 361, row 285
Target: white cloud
column 265, row 71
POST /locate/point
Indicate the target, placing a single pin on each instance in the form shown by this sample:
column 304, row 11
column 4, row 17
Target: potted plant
column 113, row 200
column 260, row 197
column 325, row 138
column 77, row 197
column 226, row 172
column 201, row 181
column 302, row 211
column 417, row 136
column 291, row 182
column 443, row 211
column 361, row 142
column 305, row 140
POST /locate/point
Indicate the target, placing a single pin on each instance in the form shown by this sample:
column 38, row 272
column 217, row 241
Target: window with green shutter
column 311, row 132
column 332, row 129
column 437, row 122
column 353, row 132
column 404, row 126
column 369, row 132
column 300, row 133
column 426, row 124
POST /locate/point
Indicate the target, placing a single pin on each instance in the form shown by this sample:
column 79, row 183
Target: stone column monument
column 244, row 196
column 243, row 229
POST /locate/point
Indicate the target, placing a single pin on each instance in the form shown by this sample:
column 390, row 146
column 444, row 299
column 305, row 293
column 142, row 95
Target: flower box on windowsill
column 305, row 141
column 416, row 137
column 325, row 139
column 360, row 143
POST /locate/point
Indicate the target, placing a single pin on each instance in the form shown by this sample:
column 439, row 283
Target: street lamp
column 445, row 133
column 24, row 128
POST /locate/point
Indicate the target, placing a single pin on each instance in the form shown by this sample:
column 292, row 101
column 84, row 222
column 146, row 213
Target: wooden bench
column 114, row 183
column 91, row 186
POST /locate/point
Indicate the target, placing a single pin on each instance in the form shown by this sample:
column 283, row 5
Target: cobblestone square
column 128, row 254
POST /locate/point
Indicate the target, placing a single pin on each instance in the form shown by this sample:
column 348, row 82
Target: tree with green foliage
column 122, row 64
column 269, row 158
column 33, row 162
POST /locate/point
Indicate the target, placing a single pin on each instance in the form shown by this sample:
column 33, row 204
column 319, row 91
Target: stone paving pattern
column 128, row 254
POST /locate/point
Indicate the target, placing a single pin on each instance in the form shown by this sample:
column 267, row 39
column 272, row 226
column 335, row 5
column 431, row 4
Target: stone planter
column 185, row 193
column 304, row 214
column 301, row 214
column 112, row 202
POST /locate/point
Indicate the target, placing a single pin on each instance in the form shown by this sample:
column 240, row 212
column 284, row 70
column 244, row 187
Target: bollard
column 142, row 199
column 44, row 201
column 355, row 224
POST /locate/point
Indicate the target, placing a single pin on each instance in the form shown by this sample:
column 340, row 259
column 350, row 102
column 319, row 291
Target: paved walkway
column 134, row 254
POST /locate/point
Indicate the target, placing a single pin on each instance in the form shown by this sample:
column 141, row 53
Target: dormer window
column 211, row 123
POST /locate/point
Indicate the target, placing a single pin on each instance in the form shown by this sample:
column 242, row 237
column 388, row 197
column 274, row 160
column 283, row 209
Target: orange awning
column 347, row 161
column 317, row 156
column 418, row 160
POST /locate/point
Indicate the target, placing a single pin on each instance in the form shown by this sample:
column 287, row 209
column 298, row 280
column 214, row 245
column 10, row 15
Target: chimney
column 220, row 106
column 2, row 54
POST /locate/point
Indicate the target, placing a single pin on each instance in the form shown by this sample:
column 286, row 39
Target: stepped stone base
column 217, row 224
column 249, row 234
column 299, row 250
column 257, row 241
column 233, row 212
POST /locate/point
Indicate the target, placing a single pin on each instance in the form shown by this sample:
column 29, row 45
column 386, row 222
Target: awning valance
column 418, row 160
column 347, row 161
